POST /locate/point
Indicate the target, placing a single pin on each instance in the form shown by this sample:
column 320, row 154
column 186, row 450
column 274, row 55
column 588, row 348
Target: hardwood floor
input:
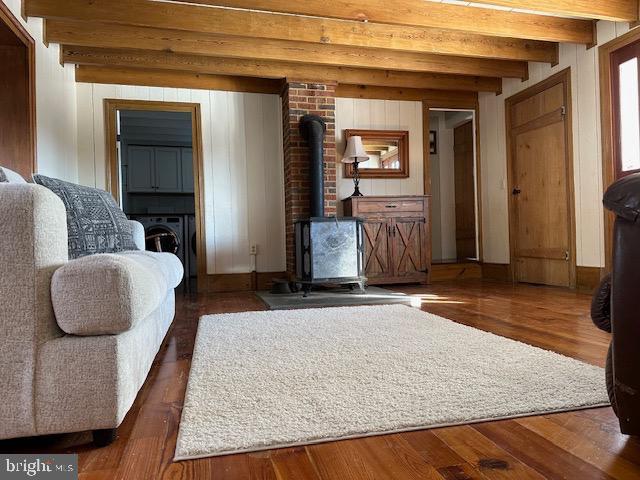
column 576, row 445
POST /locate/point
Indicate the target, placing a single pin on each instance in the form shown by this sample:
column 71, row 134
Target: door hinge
column 566, row 255
column 563, row 110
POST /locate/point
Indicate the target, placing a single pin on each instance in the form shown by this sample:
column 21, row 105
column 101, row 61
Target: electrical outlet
column 253, row 250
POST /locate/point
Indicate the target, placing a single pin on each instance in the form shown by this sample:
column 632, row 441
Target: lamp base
column 357, row 193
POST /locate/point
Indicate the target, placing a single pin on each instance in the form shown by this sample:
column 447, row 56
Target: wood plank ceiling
column 414, row 45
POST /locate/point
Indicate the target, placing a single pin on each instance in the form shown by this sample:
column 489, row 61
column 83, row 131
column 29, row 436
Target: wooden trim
column 111, row 107
column 437, row 15
column 443, row 272
column 564, row 78
column 617, row 58
column 236, row 69
column 429, row 104
column 588, row 278
column 497, row 271
column 607, row 130
column 478, row 182
column 174, row 79
column 7, row 17
column 239, row 282
column 402, row 136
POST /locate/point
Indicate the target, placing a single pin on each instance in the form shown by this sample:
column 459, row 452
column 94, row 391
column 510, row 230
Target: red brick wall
column 299, row 99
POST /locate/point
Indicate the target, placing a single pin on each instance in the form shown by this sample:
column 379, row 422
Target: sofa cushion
column 95, row 223
column 110, row 293
column 167, row 263
column 9, row 176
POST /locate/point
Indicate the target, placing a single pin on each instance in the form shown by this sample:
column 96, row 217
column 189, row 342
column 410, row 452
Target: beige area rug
column 262, row 380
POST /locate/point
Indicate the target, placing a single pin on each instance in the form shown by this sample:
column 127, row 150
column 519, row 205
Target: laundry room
column 157, row 182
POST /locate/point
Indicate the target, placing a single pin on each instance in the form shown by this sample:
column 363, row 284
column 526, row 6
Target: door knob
column 516, row 191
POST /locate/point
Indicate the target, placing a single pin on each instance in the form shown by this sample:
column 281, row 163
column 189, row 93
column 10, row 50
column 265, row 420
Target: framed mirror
column 388, row 152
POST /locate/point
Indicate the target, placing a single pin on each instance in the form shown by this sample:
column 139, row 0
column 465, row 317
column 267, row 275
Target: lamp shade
column 355, row 151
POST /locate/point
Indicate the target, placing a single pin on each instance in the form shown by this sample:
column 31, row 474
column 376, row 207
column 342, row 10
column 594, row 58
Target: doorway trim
column 564, row 78
column 7, row 17
column 111, row 107
column 452, row 105
column 608, row 130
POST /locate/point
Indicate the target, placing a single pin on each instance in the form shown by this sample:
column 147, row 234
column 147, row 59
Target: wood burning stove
column 329, row 250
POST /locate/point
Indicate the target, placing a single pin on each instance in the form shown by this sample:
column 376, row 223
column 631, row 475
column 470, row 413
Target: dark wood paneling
column 17, row 96
column 443, row 272
column 240, row 282
column 588, row 278
column 497, row 271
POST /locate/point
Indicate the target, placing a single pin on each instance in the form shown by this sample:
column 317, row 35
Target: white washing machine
column 191, row 245
column 164, row 234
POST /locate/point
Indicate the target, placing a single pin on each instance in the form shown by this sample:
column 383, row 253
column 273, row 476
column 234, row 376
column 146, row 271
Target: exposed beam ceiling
column 244, row 23
column 202, row 45
column 279, row 70
column 614, row 10
column 403, row 44
column 436, row 98
column 420, row 13
column 176, row 79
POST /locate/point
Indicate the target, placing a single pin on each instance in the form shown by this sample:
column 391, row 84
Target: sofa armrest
column 105, row 294
column 138, row 234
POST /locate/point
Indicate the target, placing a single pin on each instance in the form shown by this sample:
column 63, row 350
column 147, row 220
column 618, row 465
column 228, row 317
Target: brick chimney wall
column 299, row 99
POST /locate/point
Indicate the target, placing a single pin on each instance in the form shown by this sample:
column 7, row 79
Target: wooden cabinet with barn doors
column 396, row 237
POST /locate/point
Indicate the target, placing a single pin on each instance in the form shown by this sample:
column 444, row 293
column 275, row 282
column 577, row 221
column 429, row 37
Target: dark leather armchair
column 616, row 304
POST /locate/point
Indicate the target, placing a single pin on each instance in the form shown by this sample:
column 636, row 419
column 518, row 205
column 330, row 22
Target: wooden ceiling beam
column 175, row 79
column 223, row 21
column 419, row 13
column 613, row 10
column 441, row 98
column 196, row 47
column 280, row 70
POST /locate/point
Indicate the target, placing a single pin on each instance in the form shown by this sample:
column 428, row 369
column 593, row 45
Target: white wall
column 381, row 115
column 443, row 190
column 55, row 105
column 243, row 168
column 587, row 156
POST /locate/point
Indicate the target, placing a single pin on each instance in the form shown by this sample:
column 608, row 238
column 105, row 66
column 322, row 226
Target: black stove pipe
column 312, row 129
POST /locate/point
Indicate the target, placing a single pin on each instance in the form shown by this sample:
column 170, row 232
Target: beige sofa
column 77, row 337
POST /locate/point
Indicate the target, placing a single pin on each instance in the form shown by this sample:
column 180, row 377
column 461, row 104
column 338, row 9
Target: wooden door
column 168, row 170
column 377, row 249
column 541, row 196
column 141, row 169
column 17, row 96
column 409, row 252
column 465, row 191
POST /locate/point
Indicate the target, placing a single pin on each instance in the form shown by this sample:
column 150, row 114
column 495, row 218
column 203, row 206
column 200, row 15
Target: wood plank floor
column 577, row 445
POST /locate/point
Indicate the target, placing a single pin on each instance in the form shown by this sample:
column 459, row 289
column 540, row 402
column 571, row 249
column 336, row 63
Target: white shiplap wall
column 443, row 205
column 381, row 115
column 243, row 168
column 587, row 156
column 55, row 105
